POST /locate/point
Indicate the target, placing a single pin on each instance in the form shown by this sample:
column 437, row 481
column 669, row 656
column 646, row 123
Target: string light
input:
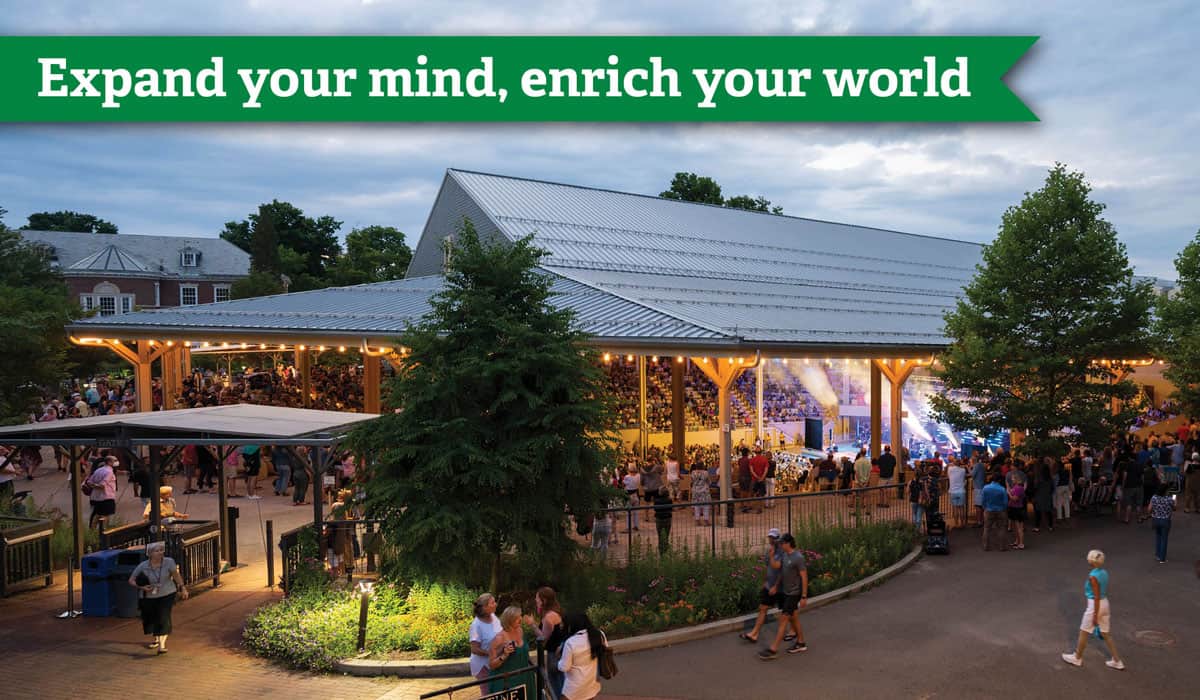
column 785, row 360
column 341, row 348
column 152, row 343
column 654, row 359
column 303, row 347
column 225, row 344
column 206, row 343
column 320, row 348
column 704, row 360
column 679, row 359
column 607, row 358
column 741, row 361
column 629, row 358
column 263, row 346
column 170, row 343
column 244, row 346
column 282, row 346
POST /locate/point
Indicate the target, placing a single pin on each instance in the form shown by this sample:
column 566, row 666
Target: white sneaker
column 1072, row 659
column 1114, row 663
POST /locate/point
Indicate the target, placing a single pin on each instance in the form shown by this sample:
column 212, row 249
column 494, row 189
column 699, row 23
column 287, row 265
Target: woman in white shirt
column 578, row 658
column 484, row 629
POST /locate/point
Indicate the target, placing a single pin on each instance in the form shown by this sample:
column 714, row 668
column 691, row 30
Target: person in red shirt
column 758, row 476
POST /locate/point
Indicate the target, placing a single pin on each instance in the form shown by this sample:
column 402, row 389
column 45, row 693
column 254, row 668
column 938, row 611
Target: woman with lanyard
column 158, row 579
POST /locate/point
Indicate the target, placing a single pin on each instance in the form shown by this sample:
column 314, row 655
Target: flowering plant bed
column 680, row 589
column 316, row 625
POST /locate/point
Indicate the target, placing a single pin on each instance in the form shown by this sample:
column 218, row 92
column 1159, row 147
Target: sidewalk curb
column 452, row 668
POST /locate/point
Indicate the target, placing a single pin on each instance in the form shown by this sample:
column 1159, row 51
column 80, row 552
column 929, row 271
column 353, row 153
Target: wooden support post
column 678, row 418
column 897, row 373
column 185, row 357
column 876, row 410
column 724, row 374
column 170, row 378
column 643, row 431
column 371, row 382
column 759, row 380
column 303, row 367
column 143, row 381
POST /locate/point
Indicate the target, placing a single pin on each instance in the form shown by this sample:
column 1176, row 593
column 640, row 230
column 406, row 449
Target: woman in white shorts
column 1096, row 618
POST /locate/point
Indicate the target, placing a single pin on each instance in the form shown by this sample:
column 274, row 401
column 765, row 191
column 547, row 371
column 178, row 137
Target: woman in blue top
column 1096, row 616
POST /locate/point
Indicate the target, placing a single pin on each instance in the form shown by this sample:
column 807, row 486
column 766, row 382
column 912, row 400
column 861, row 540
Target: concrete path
column 971, row 625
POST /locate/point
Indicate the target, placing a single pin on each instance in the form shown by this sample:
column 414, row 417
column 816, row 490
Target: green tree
column 34, row 309
column 1178, row 329
column 745, row 201
column 690, row 187
column 257, row 284
column 264, row 244
column 373, row 254
column 503, row 426
column 308, row 247
column 69, row 221
column 1053, row 298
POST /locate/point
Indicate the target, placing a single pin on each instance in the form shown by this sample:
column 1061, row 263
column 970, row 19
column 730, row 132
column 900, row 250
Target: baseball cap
column 773, row 533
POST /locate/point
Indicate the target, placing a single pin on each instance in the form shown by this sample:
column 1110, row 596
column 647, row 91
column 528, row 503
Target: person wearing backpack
column 580, row 659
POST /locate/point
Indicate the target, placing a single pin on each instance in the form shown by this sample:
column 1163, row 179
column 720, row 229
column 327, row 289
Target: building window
column 221, row 292
column 189, row 258
column 189, row 295
column 108, row 305
column 126, row 303
column 86, row 301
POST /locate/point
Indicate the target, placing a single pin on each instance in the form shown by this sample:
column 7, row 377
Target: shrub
column 314, row 627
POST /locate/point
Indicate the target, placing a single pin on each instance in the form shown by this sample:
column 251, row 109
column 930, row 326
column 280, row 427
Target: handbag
column 87, row 487
column 606, row 663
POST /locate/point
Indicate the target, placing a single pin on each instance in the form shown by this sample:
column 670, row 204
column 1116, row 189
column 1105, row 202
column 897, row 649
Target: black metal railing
column 347, row 547
column 513, row 684
column 739, row 524
column 195, row 545
column 25, row 552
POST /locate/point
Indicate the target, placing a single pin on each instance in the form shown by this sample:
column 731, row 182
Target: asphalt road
column 971, row 625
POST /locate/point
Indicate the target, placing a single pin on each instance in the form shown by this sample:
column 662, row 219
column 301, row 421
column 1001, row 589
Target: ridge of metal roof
column 704, row 204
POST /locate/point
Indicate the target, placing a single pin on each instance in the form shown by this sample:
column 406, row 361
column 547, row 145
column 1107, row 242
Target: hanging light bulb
column 607, row 358
column 341, row 348
column 654, row 359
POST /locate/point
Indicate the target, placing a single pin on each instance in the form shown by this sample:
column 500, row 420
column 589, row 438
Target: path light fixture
column 365, row 589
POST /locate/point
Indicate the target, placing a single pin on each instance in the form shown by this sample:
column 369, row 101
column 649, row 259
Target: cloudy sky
column 1113, row 83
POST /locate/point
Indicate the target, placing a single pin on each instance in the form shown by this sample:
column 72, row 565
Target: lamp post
column 365, row 588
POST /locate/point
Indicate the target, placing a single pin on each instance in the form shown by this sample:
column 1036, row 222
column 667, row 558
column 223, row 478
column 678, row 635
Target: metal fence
column 25, row 552
column 349, row 547
column 195, row 545
column 738, row 525
column 513, row 684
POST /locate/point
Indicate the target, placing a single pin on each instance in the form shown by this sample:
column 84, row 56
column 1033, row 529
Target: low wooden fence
column 25, row 552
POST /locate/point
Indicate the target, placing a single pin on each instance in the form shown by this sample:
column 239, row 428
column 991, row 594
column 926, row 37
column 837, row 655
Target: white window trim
column 225, row 287
column 195, row 289
column 185, row 255
column 86, row 302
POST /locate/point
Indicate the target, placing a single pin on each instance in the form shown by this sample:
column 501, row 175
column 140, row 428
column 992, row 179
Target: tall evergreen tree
column 1178, row 330
column 1053, row 299
column 503, row 422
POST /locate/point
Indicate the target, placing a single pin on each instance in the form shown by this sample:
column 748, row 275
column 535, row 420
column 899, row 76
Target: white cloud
column 1104, row 79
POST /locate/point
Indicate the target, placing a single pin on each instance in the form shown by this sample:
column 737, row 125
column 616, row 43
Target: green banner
column 510, row 79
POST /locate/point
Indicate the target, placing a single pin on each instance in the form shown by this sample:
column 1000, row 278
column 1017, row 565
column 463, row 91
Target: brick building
column 120, row 273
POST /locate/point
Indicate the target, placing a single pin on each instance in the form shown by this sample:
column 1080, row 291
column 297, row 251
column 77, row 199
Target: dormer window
column 189, row 257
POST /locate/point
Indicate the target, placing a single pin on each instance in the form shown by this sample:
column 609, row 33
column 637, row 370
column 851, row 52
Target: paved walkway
column 968, row 625
column 971, row 625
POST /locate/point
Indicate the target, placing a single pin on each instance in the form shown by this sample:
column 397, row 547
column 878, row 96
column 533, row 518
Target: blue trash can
column 96, row 571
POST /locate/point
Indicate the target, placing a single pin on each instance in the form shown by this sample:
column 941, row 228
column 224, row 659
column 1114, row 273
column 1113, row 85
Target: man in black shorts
column 793, row 583
column 768, row 595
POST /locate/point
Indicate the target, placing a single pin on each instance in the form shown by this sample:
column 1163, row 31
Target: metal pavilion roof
column 380, row 312
column 231, row 421
column 639, row 271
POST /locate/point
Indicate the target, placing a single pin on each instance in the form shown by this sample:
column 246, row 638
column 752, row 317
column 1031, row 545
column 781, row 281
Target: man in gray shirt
column 768, row 596
column 793, row 584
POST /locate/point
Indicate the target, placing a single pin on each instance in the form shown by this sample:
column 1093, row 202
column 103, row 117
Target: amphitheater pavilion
column 724, row 289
